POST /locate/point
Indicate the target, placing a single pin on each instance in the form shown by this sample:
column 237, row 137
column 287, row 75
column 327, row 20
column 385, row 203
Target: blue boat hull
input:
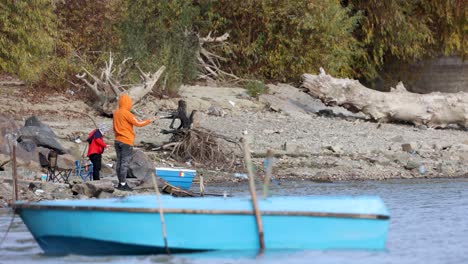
column 135, row 230
column 58, row 245
column 181, row 178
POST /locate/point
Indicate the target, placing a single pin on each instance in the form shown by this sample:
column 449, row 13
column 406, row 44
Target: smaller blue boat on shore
column 132, row 225
column 181, row 178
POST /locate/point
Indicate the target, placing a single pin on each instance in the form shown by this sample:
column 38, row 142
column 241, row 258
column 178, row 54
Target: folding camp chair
column 54, row 173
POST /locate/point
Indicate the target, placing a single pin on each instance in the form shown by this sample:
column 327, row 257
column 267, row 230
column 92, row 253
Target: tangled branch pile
column 205, row 147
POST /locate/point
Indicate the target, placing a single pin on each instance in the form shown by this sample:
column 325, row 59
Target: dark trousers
column 96, row 160
column 124, row 154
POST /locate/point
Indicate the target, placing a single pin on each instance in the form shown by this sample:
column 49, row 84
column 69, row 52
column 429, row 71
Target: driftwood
column 189, row 142
column 181, row 113
column 436, row 110
column 201, row 147
column 177, row 192
column 204, row 147
column 210, row 63
column 108, row 85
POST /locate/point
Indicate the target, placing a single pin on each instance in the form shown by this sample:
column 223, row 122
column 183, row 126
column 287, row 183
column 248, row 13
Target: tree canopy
column 27, row 37
column 271, row 40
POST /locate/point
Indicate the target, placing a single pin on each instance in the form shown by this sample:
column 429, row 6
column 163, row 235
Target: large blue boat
column 132, row 225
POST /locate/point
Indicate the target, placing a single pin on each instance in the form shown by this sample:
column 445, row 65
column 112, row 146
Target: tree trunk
column 108, row 86
column 433, row 110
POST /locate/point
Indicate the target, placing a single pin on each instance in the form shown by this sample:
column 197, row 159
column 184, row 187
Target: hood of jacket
column 96, row 133
column 125, row 102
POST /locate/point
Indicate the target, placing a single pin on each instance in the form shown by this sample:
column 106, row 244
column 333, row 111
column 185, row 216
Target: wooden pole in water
column 258, row 217
column 269, row 168
column 161, row 213
column 202, row 186
column 14, row 172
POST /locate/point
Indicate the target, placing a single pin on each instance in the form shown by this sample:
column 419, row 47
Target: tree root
column 204, row 147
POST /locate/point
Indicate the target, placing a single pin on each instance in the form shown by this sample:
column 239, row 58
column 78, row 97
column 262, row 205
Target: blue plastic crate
column 181, row 178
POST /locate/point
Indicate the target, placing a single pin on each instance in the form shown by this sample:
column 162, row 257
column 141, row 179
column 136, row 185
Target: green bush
column 27, row 31
column 255, row 88
column 160, row 32
column 281, row 40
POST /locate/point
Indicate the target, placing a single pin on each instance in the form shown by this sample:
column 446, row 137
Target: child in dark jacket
column 96, row 148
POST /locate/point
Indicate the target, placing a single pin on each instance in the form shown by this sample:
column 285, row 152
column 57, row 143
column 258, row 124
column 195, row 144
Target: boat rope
column 161, row 213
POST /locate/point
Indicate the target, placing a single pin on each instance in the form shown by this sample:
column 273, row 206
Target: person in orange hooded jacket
column 95, row 150
column 123, row 121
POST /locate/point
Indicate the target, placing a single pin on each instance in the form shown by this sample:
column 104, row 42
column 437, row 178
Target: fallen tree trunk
column 108, row 86
column 435, row 110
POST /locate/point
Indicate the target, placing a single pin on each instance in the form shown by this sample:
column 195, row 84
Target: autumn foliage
column 49, row 41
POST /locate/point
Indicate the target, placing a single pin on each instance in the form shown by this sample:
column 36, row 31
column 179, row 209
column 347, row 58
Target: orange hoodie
column 124, row 121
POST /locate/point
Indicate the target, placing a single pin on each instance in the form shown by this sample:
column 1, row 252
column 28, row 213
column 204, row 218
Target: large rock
column 140, row 166
column 40, row 134
column 25, row 150
column 293, row 101
column 93, row 189
column 35, row 122
column 27, row 144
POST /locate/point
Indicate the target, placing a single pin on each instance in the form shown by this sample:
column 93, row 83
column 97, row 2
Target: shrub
column 255, row 88
column 27, row 35
column 157, row 33
column 281, row 40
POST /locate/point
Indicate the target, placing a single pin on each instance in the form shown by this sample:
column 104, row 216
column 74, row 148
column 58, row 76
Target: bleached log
column 139, row 91
column 210, row 62
column 92, row 86
column 436, row 110
column 108, row 86
column 209, row 38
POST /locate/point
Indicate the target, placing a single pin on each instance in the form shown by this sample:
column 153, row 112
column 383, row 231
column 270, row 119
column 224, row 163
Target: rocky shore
column 310, row 141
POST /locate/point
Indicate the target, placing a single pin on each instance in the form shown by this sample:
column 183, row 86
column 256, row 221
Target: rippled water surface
column 429, row 224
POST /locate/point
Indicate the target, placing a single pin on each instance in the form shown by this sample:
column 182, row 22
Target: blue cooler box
column 181, row 178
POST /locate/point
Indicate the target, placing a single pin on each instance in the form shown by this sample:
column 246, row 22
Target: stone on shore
column 93, row 189
column 409, row 147
column 41, row 134
column 142, row 168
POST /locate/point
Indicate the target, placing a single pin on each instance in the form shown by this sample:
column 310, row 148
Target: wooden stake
column 161, row 213
column 269, row 168
column 258, row 217
column 202, row 187
column 15, row 174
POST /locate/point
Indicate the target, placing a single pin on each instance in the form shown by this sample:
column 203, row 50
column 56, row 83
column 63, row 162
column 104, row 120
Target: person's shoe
column 124, row 187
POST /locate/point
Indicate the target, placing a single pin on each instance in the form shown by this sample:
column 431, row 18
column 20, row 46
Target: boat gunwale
column 198, row 211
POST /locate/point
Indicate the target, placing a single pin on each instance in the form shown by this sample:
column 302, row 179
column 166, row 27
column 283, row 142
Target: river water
column 429, row 224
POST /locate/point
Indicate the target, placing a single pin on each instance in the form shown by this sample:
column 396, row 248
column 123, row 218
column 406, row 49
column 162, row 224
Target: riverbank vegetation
column 48, row 42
